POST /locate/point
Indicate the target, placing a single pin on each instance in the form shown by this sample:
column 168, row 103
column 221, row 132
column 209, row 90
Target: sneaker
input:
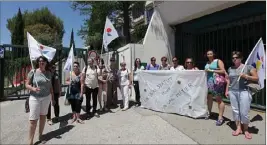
column 96, row 115
column 124, row 109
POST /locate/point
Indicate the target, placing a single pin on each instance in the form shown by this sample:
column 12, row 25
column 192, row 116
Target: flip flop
column 234, row 133
column 248, row 135
column 73, row 120
column 80, row 121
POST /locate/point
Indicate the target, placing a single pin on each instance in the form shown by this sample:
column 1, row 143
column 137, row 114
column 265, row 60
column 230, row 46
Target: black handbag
column 27, row 106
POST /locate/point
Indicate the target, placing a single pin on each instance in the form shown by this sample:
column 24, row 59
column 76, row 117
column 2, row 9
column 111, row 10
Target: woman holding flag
column 41, row 93
column 239, row 93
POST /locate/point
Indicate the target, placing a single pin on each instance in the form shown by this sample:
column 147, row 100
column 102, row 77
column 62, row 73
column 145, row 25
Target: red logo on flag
column 41, row 47
column 109, row 30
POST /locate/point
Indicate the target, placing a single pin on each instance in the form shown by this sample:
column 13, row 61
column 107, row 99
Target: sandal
column 49, row 122
column 236, row 133
column 248, row 135
column 80, row 121
column 219, row 122
column 73, row 120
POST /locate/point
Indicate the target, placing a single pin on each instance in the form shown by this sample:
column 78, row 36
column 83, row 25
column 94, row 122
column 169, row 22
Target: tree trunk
column 126, row 25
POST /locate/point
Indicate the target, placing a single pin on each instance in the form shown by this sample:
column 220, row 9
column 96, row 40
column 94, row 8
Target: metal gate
column 15, row 66
column 239, row 34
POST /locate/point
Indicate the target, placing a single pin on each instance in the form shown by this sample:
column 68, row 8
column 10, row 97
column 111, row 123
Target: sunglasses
column 112, row 60
column 235, row 57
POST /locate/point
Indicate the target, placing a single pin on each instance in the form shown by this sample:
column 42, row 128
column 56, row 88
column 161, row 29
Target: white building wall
column 159, row 39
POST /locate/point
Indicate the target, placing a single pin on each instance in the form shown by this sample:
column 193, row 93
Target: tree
column 17, row 36
column 72, row 42
column 42, row 24
column 93, row 27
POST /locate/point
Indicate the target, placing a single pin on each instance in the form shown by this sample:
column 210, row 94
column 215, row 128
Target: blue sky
column 70, row 18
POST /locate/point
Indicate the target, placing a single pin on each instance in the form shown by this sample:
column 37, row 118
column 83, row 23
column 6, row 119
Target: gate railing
column 16, row 65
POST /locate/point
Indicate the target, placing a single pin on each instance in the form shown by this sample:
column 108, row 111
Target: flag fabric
column 110, row 33
column 69, row 62
column 257, row 60
column 36, row 49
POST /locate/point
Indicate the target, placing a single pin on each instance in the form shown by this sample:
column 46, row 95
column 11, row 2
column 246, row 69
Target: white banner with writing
column 181, row 92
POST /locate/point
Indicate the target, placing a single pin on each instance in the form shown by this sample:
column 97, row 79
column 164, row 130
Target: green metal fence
column 16, row 64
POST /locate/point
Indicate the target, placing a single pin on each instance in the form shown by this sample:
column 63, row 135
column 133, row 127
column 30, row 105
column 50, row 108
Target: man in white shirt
column 175, row 65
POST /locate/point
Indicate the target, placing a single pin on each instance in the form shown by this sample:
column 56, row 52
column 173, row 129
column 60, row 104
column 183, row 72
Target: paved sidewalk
column 120, row 127
column 134, row 126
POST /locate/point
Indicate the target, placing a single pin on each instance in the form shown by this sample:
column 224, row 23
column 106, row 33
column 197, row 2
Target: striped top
column 44, row 83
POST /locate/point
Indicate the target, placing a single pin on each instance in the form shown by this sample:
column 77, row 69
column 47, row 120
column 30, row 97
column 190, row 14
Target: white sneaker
column 125, row 108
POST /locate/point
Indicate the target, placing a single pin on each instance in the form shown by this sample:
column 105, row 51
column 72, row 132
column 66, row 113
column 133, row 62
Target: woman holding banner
column 239, row 93
column 216, row 84
column 41, row 94
column 190, row 64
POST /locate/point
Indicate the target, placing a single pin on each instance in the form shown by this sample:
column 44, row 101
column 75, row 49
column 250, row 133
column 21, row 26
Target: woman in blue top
column 153, row 65
column 213, row 67
column 75, row 98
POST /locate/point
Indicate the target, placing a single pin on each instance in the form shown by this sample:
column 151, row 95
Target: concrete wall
column 159, row 39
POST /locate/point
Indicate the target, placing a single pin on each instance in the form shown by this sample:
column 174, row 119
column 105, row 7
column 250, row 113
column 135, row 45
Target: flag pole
column 249, row 57
column 71, row 66
column 33, row 68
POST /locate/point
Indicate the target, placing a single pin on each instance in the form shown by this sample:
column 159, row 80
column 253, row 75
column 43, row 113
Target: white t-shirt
column 179, row 67
column 91, row 77
column 135, row 72
column 124, row 77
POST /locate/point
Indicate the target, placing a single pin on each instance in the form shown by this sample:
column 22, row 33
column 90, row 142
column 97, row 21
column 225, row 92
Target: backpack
column 27, row 107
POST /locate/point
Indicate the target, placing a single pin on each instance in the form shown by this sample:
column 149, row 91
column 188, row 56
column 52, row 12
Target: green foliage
column 139, row 33
column 72, row 42
column 92, row 29
column 17, row 37
column 42, row 24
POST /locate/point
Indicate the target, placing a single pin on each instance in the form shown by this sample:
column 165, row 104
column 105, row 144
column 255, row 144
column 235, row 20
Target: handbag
column 219, row 78
column 254, row 88
column 66, row 96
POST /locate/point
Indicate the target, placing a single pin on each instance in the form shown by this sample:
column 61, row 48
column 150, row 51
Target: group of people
column 100, row 83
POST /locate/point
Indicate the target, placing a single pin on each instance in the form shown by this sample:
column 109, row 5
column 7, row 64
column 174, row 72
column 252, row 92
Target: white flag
column 110, row 33
column 257, row 60
column 36, row 49
column 69, row 62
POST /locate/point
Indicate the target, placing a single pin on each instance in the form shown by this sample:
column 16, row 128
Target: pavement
column 134, row 126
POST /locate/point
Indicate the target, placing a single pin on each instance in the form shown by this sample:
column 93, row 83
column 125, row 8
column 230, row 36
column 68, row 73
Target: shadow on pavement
column 63, row 120
column 55, row 134
column 252, row 129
